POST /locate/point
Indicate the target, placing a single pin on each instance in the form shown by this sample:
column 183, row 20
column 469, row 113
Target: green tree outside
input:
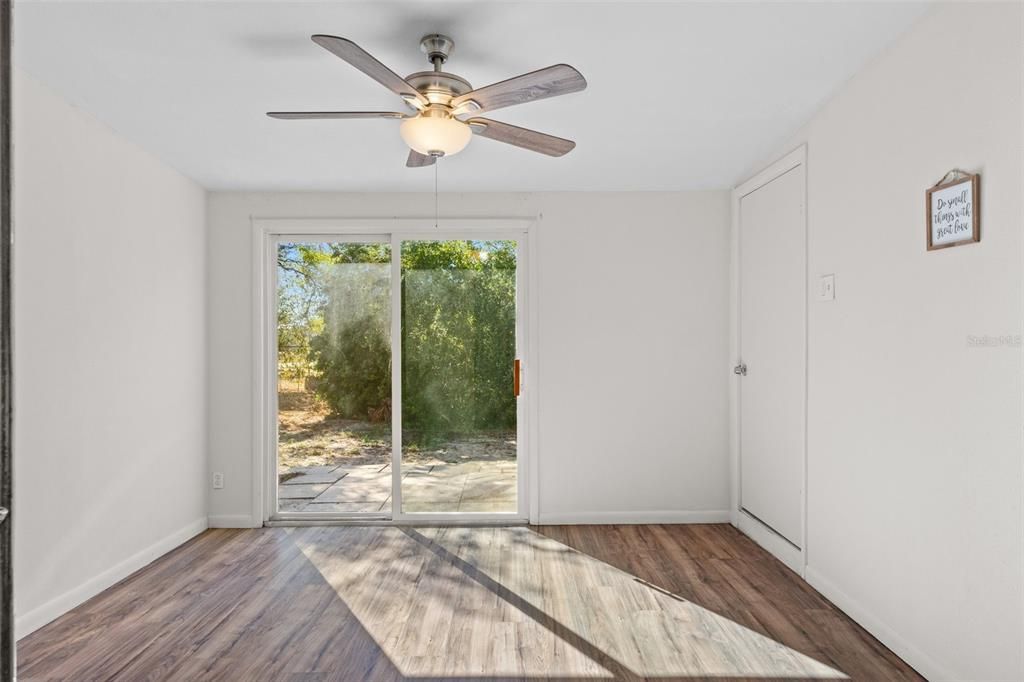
column 458, row 331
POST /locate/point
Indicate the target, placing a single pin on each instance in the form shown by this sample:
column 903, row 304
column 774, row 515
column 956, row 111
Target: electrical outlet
column 218, row 480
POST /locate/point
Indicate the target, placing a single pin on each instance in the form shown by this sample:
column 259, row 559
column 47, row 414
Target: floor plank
column 387, row 603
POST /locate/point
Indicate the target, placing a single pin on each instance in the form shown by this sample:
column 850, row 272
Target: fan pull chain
column 436, row 164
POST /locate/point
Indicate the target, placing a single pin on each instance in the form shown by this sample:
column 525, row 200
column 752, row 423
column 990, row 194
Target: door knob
column 740, row 369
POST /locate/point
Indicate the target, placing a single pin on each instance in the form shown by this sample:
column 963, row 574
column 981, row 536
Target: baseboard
column 58, row 606
column 230, row 521
column 633, row 517
column 914, row 657
column 791, row 555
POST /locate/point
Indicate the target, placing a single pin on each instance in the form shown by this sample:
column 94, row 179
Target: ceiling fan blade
column 296, row 115
column 368, row 64
column 521, row 137
column 560, row 79
column 417, row 160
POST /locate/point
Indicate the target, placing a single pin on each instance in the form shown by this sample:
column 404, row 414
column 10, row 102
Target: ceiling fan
column 445, row 106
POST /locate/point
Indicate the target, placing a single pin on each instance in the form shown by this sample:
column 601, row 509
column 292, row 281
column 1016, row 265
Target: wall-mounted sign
column 954, row 209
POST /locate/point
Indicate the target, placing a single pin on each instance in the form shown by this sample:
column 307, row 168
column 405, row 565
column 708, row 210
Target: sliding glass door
column 334, row 377
column 397, row 377
column 458, row 334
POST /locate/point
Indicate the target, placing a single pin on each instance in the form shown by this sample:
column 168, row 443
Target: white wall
column 914, row 438
column 109, row 365
column 633, row 295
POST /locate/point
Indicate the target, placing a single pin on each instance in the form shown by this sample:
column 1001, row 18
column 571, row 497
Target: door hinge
column 740, row 369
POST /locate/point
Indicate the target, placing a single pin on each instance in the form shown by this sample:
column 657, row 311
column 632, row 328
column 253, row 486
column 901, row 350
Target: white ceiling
column 681, row 95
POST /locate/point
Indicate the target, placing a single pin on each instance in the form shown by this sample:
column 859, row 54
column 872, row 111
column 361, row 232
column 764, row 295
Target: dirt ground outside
column 309, row 436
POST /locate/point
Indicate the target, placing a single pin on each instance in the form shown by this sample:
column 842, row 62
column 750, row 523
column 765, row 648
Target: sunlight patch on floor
column 511, row 602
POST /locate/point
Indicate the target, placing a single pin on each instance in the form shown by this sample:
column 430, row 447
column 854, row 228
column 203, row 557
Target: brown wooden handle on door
column 515, row 377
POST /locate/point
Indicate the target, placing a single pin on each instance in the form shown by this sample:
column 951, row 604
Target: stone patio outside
column 468, row 486
column 342, row 466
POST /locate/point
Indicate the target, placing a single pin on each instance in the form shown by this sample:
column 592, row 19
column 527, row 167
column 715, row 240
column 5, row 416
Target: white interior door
column 772, row 345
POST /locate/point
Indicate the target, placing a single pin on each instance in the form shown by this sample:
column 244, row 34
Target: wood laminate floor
column 390, row 603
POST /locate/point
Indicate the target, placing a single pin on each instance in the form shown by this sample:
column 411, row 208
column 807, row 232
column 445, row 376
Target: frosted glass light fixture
column 435, row 133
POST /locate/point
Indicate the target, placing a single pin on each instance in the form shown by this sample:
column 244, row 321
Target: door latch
column 740, row 369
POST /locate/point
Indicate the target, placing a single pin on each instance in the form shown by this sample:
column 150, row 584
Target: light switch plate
column 827, row 288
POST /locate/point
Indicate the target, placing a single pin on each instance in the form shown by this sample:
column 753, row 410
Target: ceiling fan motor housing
column 439, row 87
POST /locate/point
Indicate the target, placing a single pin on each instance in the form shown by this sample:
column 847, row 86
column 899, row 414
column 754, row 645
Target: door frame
column 792, row 556
column 267, row 232
column 8, row 652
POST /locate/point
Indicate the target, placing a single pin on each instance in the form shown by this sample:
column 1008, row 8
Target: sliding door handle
column 3, row 514
column 516, row 369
